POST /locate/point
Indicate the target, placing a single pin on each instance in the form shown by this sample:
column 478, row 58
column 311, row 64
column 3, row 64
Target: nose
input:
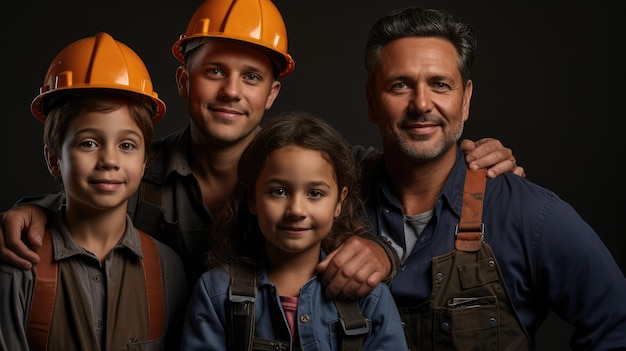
column 108, row 158
column 230, row 89
column 296, row 207
column 420, row 100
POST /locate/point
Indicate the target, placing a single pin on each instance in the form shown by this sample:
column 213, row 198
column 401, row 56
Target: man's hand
column 355, row 268
column 491, row 154
column 27, row 219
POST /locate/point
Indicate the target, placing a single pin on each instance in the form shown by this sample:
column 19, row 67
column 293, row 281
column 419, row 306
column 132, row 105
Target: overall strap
column 44, row 291
column 154, row 285
column 44, row 294
column 470, row 230
column 354, row 325
column 242, row 295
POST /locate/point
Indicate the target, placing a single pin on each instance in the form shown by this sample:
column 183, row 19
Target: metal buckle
column 355, row 331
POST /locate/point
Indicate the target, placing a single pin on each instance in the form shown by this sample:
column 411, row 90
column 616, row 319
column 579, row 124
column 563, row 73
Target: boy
column 101, row 284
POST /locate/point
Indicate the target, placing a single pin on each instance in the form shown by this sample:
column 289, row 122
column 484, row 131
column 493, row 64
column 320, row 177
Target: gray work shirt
column 16, row 285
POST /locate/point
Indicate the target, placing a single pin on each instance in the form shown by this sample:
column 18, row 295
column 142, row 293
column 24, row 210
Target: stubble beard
column 422, row 153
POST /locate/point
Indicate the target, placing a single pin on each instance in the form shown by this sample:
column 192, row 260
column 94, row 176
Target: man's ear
column 467, row 98
column 274, row 90
column 182, row 81
column 52, row 161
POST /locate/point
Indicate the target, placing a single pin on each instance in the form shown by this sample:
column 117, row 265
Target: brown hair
column 74, row 105
column 235, row 235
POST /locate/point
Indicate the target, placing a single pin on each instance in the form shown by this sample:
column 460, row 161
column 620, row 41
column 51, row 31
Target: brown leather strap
column 242, row 296
column 154, row 285
column 354, row 326
column 469, row 234
column 44, row 293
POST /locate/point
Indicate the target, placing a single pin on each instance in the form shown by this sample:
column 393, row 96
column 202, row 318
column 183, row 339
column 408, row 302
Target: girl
column 296, row 200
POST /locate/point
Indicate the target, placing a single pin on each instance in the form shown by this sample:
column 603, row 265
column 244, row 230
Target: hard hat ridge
column 256, row 22
column 98, row 62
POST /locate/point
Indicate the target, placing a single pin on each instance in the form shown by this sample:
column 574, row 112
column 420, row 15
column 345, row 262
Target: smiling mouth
column 105, row 182
column 295, row 229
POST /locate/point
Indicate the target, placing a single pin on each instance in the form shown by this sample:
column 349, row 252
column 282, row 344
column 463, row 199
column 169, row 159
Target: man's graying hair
column 417, row 22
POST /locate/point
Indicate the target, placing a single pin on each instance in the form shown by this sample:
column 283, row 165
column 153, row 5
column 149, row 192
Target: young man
column 528, row 252
column 229, row 73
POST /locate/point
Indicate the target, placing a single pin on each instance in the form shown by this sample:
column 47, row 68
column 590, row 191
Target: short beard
column 431, row 153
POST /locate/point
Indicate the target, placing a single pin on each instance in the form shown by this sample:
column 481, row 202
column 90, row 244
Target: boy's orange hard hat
column 98, row 62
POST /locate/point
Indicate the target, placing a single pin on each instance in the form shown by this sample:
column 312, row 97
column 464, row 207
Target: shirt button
column 439, row 276
column 305, row 318
column 492, row 322
column 492, row 264
column 386, row 211
column 445, row 326
column 96, row 278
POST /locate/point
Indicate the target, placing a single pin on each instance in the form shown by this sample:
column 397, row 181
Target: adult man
column 454, row 294
column 231, row 55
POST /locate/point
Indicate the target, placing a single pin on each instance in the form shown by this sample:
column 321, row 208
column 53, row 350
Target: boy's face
column 102, row 160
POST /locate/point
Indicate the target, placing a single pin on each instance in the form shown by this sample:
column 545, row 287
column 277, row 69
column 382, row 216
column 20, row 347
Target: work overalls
column 469, row 308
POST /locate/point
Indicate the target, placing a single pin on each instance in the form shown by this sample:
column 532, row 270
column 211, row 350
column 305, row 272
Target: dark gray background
column 547, row 83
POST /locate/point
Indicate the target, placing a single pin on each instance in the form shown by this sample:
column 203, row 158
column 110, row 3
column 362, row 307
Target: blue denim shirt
column 208, row 318
column 550, row 258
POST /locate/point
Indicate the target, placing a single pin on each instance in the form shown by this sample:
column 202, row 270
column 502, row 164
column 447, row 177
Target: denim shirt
column 551, row 259
column 208, row 316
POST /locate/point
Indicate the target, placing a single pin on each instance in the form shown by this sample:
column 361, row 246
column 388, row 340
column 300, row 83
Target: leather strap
column 154, row 285
column 44, row 294
column 242, row 296
column 45, row 288
column 470, row 230
column 354, row 325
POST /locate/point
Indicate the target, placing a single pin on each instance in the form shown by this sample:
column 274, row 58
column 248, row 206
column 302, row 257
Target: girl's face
column 101, row 162
column 296, row 200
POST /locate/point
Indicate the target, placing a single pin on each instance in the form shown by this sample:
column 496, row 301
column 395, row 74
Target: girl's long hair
column 235, row 235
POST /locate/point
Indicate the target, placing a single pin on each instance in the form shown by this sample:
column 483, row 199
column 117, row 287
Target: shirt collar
column 450, row 196
column 65, row 246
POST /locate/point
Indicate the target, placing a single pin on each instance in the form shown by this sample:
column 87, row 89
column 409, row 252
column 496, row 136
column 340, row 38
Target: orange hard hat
column 256, row 22
column 98, row 62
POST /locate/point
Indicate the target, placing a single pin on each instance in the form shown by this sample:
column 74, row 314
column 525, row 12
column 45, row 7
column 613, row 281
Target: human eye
column 441, row 86
column 127, row 146
column 88, row 144
column 399, row 87
column 316, row 194
column 214, row 72
column 253, row 76
column 278, row 192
